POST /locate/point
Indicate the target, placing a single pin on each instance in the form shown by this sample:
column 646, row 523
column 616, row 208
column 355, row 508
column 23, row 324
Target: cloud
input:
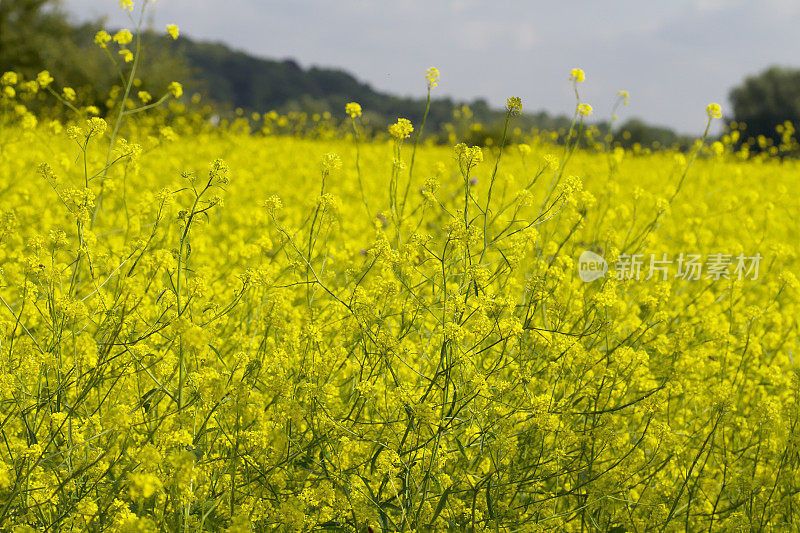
column 673, row 57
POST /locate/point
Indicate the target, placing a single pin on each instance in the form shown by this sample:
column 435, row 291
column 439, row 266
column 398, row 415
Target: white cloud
column 674, row 57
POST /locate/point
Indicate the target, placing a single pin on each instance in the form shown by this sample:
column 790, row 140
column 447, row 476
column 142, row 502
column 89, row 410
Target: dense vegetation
column 35, row 35
column 246, row 327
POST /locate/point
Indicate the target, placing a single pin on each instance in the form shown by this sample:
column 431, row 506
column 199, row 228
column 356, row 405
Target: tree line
column 37, row 34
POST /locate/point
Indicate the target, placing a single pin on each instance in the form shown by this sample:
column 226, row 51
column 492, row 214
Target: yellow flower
column 432, row 76
column 123, row 37
column 401, row 129
column 69, row 94
column 331, row 161
column 142, row 485
column 585, row 110
column 29, row 121
column 87, row 508
column 44, row 79
column 144, row 96
column 273, row 204
column 102, row 38
column 577, row 75
column 353, row 109
column 6, row 476
column 9, row 78
column 9, row 92
column 714, row 110
column 173, row 31
column 126, row 54
column 168, row 133
column 31, row 86
column 468, row 156
column 625, row 96
column 126, row 4
column 96, row 126
column 513, row 105
column 74, row 133
column 175, row 89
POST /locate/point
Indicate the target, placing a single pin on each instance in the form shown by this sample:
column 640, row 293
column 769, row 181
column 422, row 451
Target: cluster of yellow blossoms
column 351, row 335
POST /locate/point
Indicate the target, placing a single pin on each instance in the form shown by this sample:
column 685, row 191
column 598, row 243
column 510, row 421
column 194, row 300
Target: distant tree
column 31, row 33
column 648, row 136
column 37, row 35
column 767, row 100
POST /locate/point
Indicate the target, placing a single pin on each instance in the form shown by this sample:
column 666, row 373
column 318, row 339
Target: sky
column 673, row 57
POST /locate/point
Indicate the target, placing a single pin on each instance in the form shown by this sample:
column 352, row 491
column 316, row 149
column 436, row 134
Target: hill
column 235, row 78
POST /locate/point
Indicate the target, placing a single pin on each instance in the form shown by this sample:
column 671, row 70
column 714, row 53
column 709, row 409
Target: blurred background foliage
column 38, row 35
column 765, row 103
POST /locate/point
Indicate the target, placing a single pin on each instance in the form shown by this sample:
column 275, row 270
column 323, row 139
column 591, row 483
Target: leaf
column 442, row 503
column 461, row 449
column 489, row 504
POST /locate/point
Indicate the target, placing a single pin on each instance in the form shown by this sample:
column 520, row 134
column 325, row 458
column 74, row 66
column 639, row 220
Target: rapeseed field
column 222, row 328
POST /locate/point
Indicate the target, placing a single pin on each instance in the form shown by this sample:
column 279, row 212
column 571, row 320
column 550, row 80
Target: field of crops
column 225, row 329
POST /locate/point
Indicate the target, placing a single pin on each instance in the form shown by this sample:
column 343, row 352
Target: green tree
column 30, row 31
column 635, row 131
column 767, row 100
column 37, row 35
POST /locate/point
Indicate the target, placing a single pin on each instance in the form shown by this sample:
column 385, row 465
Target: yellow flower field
column 212, row 329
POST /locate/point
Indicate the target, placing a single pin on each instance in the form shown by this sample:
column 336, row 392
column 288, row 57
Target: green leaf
column 442, row 503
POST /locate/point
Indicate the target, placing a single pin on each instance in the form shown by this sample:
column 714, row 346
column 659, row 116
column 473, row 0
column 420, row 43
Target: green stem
column 414, row 151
